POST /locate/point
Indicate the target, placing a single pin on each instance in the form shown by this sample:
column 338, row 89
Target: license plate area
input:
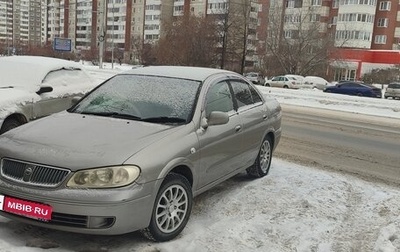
column 29, row 209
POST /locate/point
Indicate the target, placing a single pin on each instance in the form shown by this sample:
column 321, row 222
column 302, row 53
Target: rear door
column 254, row 116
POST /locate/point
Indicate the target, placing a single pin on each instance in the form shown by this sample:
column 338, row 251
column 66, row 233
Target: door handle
column 265, row 117
column 238, row 128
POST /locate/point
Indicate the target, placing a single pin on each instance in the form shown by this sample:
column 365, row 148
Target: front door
column 220, row 145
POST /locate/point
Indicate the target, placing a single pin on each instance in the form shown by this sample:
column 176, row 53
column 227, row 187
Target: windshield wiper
column 164, row 119
column 113, row 114
column 7, row 87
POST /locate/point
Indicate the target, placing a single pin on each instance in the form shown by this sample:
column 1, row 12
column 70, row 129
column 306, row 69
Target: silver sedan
column 133, row 153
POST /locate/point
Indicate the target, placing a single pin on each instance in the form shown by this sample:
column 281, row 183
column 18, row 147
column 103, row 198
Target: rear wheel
column 267, row 85
column 285, row 86
column 261, row 166
column 9, row 124
column 171, row 209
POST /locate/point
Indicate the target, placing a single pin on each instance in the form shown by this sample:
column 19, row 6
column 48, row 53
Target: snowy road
column 338, row 140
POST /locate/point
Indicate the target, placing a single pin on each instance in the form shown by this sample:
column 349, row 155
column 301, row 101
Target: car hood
column 76, row 141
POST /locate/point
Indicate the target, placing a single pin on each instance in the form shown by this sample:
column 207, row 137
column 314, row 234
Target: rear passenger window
column 244, row 93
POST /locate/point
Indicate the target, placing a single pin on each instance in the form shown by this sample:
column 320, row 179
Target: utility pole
column 112, row 38
column 102, row 35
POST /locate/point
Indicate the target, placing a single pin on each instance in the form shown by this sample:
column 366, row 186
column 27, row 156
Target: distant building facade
column 362, row 27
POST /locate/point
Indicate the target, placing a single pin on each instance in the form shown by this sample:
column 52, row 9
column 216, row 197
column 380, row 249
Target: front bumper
column 102, row 212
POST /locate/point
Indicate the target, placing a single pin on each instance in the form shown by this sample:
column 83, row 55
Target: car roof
column 183, row 72
column 34, row 69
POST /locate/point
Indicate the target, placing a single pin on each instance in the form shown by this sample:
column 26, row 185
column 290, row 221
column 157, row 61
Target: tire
column 267, row 85
column 171, row 209
column 261, row 166
column 285, row 86
column 359, row 94
column 9, row 124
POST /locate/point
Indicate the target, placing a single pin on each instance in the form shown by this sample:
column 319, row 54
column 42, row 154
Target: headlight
column 106, row 177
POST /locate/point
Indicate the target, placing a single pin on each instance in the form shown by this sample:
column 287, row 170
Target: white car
column 256, row 78
column 32, row 87
column 393, row 90
column 315, row 82
column 283, row 81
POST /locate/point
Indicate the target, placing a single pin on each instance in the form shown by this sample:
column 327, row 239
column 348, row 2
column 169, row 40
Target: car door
column 254, row 116
column 344, row 88
column 220, row 145
column 275, row 82
column 65, row 84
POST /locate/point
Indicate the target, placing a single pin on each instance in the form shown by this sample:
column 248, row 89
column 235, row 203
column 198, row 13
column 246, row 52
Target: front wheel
column 171, row 209
column 9, row 124
column 261, row 166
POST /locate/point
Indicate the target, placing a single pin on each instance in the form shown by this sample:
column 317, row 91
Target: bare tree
column 297, row 42
column 383, row 76
column 234, row 27
column 188, row 40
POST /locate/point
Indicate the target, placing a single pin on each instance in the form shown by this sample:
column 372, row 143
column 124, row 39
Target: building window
column 316, row 2
column 288, row 34
column 335, row 4
column 315, row 17
column 380, row 39
column 291, row 34
column 385, row 5
column 290, row 4
column 383, row 22
column 334, row 20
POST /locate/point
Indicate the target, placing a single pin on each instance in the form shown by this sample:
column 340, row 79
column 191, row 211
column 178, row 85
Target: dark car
column 354, row 88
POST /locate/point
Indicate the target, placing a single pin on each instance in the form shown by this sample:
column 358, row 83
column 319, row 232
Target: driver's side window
column 219, row 98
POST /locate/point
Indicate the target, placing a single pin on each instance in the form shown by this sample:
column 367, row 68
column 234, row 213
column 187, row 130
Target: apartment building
column 361, row 28
column 366, row 32
column 21, row 24
column 6, row 26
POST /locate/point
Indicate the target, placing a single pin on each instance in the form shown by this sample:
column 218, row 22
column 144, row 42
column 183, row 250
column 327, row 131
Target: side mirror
column 215, row 118
column 75, row 100
column 44, row 89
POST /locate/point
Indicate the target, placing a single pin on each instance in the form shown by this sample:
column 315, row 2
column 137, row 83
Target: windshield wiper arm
column 164, row 119
column 113, row 114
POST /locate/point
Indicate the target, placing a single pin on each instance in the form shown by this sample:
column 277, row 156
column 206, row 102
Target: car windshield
column 147, row 98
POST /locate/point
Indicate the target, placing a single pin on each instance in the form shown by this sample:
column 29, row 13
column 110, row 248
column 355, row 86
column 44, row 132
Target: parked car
column 354, row 88
column 315, row 82
column 32, row 87
column 256, row 78
column 393, row 90
column 132, row 153
column 283, row 82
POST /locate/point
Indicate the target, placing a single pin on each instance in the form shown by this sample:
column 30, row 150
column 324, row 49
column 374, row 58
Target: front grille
column 33, row 174
column 75, row 221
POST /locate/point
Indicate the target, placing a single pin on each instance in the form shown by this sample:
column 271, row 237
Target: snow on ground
column 295, row 208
